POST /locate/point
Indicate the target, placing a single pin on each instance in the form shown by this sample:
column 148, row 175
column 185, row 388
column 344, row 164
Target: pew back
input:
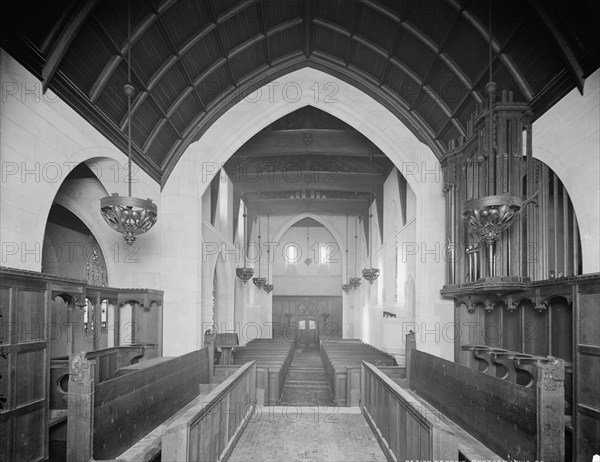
column 501, row 414
column 107, row 418
column 209, row 429
column 409, row 428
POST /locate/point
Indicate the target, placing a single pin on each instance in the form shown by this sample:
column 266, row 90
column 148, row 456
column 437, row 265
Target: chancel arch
column 353, row 106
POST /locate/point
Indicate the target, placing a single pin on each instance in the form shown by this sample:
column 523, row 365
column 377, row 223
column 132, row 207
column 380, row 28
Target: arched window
column 95, row 269
column 88, row 315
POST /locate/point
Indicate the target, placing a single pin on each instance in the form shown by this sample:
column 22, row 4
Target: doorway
column 308, row 332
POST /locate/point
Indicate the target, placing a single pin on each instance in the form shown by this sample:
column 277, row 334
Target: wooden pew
column 273, row 360
column 515, row 421
column 210, row 427
column 104, row 419
column 342, row 360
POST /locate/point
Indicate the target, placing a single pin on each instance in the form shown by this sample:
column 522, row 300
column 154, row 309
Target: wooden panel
column 147, row 397
column 586, row 363
column 329, row 326
column 500, row 414
column 208, row 429
column 535, row 333
column 26, row 369
column 407, row 427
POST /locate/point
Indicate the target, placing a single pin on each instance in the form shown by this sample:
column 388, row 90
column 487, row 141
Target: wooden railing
column 209, row 429
column 105, row 419
column 269, row 382
column 408, row 427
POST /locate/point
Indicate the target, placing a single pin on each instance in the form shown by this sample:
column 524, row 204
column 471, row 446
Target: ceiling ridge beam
column 263, row 28
column 354, row 14
column 281, row 27
column 384, row 11
column 436, row 98
column 245, row 45
column 421, row 128
column 370, row 45
column 114, row 62
column 332, row 27
column 307, row 19
column 162, row 71
column 220, row 20
column 233, row 11
column 567, row 53
column 65, row 39
column 153, row 134
column 194, row 39
column 518, row 77
column 456, row 70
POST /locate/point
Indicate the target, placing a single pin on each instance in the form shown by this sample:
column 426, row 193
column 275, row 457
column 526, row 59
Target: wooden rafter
column 64, row 40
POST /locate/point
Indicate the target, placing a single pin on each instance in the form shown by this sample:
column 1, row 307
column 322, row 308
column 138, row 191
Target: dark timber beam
column 312, row 205
column 308, row 141
column 484, row 32
column 256, row 180
column 570, row 59
column 66, row 37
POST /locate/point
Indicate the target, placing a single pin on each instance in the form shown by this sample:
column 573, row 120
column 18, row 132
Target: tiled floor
column 307, row 434
column 307, row 426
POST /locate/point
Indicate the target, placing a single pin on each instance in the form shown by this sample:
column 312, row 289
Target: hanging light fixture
column 244, row 273
column 259, row 281
column 307, row 261
column 268, row 288
column 128, row 215
column 354, row 281
column 370, row 274
column 346, row 287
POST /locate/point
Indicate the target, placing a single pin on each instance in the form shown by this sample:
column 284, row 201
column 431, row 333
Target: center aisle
column 307, row 426
column 307, row 434
column 307, row 383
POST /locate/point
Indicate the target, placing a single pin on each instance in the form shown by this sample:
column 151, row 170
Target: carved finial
column 79, row 367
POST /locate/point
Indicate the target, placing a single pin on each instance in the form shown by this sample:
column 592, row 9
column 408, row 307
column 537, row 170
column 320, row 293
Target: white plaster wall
column 215, row 250
column 41, row 140
column 268, row 104
column 567, row 139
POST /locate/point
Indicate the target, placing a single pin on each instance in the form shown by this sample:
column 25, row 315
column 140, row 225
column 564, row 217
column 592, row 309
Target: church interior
column 300, row 230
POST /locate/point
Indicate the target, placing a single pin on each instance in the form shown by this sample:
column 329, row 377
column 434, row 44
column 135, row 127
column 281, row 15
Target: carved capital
column 540, row 304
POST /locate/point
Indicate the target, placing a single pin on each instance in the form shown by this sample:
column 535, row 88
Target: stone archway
column 196, row 168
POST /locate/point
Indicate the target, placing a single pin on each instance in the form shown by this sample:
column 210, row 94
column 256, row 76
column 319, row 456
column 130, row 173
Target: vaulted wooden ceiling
column 426, row 60
column 308, row 161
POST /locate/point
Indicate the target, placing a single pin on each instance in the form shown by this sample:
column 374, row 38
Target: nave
column 214, row 208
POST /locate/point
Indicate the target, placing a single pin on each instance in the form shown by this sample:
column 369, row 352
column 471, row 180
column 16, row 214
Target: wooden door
column 288, row 311
column 309, row 332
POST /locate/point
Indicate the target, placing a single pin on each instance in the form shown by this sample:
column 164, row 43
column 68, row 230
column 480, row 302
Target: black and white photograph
column 300, row 230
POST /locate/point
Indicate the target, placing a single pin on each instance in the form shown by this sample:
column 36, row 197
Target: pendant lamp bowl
column 370, row 274
column 244, row 273
column 346, row 288
column 129, row 216
column 354, row 282
column 259, row 282
column 268, row 288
